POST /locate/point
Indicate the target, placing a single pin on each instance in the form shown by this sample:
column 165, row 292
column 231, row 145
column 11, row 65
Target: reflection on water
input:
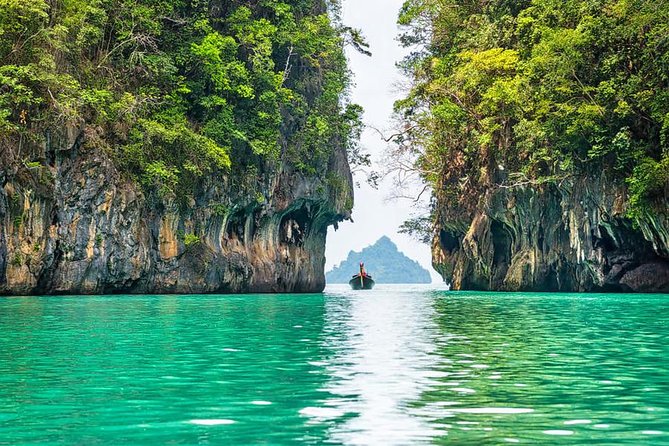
column 397, row 365
column 467, row 368
column 383, row 361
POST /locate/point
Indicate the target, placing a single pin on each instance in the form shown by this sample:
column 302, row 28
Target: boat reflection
column 383, row 361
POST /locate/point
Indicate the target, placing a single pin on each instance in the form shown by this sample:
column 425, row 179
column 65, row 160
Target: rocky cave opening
column 501, row 242
column 235, row 226
column 294, row 227
column 448, row 241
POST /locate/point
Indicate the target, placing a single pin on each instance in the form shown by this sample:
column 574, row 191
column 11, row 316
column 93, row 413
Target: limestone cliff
column 571, row 237
column 79, row 226
column 173, row 147
column 542, row 129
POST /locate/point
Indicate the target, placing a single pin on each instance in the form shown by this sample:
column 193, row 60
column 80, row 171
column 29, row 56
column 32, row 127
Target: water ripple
column 396, row 366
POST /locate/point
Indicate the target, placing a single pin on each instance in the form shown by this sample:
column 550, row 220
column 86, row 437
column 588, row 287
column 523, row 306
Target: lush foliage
column 178, row 89
column 533, row 91
column 419, row 228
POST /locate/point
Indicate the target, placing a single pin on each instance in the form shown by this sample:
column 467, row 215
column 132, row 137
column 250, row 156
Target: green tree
column 530, row 92
column 179, row 91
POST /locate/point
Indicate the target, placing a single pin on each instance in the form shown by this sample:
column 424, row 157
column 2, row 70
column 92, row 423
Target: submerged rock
column 571, row 237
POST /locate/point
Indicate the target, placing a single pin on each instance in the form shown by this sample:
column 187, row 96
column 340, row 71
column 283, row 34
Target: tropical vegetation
column 178, row 89
column 507, row 93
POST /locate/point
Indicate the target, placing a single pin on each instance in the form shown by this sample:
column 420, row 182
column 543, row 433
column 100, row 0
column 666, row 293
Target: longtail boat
column 362, row 280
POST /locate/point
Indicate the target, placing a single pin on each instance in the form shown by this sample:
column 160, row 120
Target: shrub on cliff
column 532, row 92
column 178, row 89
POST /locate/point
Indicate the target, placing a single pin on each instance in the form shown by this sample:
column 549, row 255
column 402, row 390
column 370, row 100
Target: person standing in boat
column 362, row 280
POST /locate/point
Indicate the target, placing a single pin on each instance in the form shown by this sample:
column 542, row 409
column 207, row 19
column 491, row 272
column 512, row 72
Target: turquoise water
column 397, row 365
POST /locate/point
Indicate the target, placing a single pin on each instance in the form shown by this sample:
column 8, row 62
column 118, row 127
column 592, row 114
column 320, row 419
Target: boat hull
column 361, row 283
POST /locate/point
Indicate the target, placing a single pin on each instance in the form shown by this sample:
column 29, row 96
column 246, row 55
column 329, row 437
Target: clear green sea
column 398, row 365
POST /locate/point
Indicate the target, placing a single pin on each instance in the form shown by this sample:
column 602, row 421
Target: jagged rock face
column 568, row 238
column 83, row 228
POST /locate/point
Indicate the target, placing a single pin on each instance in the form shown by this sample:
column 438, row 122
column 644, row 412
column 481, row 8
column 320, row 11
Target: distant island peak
column 384, row 261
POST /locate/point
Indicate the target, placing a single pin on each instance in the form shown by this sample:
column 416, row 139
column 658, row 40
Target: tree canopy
column 531, row 92
column 179, row 89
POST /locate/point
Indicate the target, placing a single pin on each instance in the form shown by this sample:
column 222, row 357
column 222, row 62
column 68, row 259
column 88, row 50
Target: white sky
column 376, row 90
